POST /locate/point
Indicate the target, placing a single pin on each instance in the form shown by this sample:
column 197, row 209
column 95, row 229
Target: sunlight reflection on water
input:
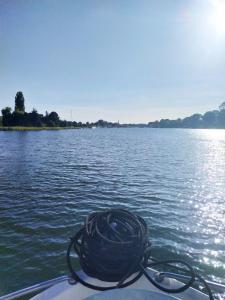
column 49, row 181
column 209, row 192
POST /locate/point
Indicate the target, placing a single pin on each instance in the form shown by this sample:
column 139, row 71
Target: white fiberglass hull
column 142, row 289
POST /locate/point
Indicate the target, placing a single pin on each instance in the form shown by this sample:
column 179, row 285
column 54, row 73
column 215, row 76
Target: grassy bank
column 22, row 128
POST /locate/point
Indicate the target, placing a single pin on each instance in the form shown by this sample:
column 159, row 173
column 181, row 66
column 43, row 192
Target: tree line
column 211, row 119
column 19, row 117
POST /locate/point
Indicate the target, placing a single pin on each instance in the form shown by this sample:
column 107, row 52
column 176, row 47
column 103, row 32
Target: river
column 51, row 180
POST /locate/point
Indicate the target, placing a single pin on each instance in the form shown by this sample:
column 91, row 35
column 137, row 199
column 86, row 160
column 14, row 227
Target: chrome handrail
column 34, row 288
column 159, row 276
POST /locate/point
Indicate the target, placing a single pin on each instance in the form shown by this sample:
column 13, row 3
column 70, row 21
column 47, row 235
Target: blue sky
column 133, row 61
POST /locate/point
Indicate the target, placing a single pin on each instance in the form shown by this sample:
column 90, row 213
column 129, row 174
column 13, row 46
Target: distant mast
column 71, row 117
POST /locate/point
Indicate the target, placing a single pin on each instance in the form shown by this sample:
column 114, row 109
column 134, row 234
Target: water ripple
column 50, row 181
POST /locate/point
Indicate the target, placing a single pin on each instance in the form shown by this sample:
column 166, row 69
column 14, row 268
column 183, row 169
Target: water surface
column 50, row 180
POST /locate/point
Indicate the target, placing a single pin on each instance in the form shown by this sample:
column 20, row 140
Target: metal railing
column 34, row 288
column 219, row 287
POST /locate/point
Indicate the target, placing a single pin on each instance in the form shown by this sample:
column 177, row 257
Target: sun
column 217, row 16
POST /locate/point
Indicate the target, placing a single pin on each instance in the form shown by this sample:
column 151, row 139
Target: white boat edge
column 61, row 288
column 66, row 291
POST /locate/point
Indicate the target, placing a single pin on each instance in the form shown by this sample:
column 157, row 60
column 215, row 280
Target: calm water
column 50, row 180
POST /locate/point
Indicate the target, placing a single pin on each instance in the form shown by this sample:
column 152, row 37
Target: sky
column 132, row 61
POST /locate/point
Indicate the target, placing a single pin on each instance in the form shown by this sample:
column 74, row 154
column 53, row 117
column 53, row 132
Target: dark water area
column 51, row 180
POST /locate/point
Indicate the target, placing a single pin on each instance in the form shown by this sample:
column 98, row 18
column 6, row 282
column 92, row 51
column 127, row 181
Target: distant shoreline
column 20, row 120
column 22, row 128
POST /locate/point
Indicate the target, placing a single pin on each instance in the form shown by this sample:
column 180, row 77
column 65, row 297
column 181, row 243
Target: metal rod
column 214, row 285
column 34, row 288
column 45, row 284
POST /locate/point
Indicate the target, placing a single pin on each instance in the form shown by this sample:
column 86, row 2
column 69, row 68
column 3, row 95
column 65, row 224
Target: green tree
column 222, row 106
column 53, row 119
column 210, row 119
column 18, row 118
column 6, row 116
column 35, row 118
column 194, row 121
column 19, row 102
column 221, row 118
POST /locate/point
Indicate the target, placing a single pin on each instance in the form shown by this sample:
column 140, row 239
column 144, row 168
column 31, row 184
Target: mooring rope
column 113, row 245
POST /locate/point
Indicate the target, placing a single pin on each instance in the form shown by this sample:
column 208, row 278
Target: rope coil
column 113, row 245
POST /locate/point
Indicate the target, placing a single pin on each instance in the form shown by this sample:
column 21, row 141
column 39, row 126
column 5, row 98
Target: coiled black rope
column 113, row 245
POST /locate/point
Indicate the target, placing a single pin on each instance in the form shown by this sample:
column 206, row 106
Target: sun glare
column 217, row 16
